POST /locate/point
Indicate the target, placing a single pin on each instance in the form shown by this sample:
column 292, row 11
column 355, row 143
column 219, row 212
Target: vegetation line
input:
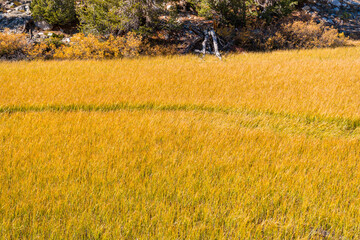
column 349, row 123
column 110, row 107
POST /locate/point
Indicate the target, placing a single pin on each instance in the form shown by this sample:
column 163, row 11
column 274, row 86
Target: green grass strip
column 279, row 121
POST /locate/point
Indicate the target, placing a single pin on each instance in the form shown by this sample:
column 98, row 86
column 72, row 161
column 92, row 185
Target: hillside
column 343, row 15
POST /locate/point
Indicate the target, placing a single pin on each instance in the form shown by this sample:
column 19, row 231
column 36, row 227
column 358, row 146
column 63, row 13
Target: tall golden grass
column 259, row 146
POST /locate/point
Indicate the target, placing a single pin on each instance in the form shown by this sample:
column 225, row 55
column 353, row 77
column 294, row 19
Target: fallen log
column 207, row 52
column 191, row 45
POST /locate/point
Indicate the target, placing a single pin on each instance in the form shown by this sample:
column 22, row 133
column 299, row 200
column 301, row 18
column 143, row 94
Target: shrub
column 299, row 34
column 231, row 12
column 55, row 12
column 238, row 12
column 43, row 50
column 93, row 47
column 12, row 44
column 291, row 34
column 277, row 9
column 158, row 50
column 115, row 17
column 81, row 47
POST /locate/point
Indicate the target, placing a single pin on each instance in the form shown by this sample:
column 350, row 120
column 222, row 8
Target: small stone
column 315, row 9
column 43, row 25
column 20, row 8
column 66, row 40
column 170, row 6
column 335, row 2
column 328, row 21
column 9, row 5
column 16, row 12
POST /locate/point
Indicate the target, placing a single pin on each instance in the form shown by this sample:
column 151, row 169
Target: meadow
column 257, row 146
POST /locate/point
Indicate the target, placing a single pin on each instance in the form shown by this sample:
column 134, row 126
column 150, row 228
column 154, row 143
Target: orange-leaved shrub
column 12, row 44
column 290, row 34
column 309, row 34
column 42, row 50
column 159, row 50
column 93, row 47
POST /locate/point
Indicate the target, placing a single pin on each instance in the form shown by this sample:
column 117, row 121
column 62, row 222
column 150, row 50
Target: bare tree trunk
column 216, row 47
column 204, row 43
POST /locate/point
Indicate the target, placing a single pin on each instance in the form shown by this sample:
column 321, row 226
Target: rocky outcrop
column 14, row 15
column 15, row 22
column 341, row 14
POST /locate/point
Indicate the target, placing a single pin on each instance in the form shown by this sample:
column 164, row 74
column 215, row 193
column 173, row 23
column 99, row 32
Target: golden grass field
column 258, row 146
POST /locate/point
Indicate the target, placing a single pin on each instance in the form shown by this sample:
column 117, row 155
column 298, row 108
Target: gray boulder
column 43, row 25
column 336, row 3
column 13, row 21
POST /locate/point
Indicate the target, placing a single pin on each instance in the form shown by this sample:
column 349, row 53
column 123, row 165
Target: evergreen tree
column 55, row 12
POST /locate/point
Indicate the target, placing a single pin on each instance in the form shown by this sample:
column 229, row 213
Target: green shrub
column 55, row 12
column 116, row 17
column 238, row 12
column 231, row 12
column 278, row 9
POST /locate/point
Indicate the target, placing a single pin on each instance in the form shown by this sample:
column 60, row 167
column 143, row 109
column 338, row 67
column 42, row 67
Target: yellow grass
column 259, row 146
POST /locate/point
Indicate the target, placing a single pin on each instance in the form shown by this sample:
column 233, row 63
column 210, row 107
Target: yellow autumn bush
column 93, row 47
column 11, row 43
column 159, row 50
column 309, row 34
column 80, row 47
column 43, row 50
column 302, row 33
